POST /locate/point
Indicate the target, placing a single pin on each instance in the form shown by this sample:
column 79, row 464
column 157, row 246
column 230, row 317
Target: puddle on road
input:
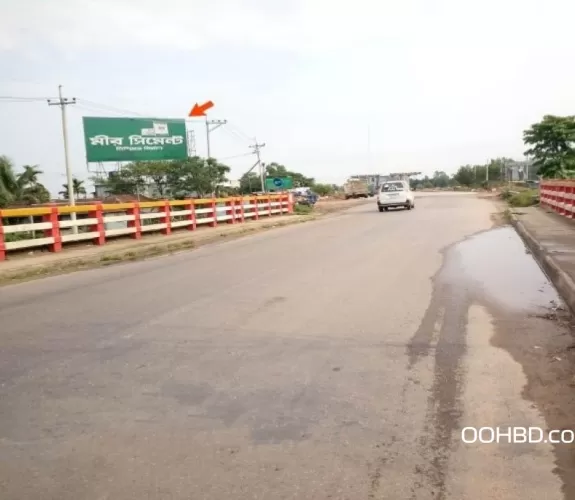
column 495, row 265
column 494, row 269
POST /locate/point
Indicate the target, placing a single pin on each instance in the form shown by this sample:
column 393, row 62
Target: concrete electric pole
column 209, row 129
column 63, row 102
column 256, row 147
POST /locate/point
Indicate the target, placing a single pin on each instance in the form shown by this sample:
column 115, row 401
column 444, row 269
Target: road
column 338, row 359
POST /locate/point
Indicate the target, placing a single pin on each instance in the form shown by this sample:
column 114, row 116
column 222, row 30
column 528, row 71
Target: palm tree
column 20, row 188
column 77, row 186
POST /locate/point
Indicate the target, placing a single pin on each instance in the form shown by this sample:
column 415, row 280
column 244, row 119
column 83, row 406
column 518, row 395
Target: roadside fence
column 52, row 226
column 559, row 196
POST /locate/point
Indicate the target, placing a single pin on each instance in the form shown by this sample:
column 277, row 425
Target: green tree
column 250, row 182
column 551, row 146
column 151, row 173
column 440, row 179
column 23, row 187
column 124, row 181
column 139, row 177
column 299, row 180
column 77, row 186
column 324, row 189
column 465, row 175
column 195, row 176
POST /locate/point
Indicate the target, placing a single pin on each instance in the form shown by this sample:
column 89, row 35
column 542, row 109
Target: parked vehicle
column 395, row 194
column 310, row 198
column 354, row 188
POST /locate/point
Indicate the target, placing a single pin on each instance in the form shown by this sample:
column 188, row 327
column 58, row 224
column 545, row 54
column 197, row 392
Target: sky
column 333, row 88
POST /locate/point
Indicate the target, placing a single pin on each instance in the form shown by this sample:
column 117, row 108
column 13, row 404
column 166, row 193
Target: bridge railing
column 559, row 196
column 52, row 226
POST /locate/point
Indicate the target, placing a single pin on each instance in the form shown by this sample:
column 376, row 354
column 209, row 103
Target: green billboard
column 278, row 183
column 134, row 139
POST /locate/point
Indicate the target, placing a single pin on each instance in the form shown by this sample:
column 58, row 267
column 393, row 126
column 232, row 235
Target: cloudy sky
column 438, row 83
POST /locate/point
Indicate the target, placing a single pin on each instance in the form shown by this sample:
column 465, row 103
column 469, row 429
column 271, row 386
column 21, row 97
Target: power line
column 238, row 131
column 235, row 135
column 236, row 156
column 93, row 109
column 110, row 108
column 7, row 98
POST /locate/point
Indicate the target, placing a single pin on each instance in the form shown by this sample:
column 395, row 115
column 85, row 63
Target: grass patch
column 110, row 258
column 526, row 198
column 302, row 209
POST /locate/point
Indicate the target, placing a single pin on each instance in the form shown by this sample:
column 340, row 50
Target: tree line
column 195, row 176
column 177, row 179
column 550, row 148
column 493, row 171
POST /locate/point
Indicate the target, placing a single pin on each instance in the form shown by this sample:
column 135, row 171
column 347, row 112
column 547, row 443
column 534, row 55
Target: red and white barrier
column 559, row 196
column 136, row 218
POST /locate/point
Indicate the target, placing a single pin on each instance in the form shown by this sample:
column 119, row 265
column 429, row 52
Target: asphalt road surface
column 338, row 359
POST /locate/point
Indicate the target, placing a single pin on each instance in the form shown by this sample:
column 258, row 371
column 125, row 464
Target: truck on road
column 355, row 188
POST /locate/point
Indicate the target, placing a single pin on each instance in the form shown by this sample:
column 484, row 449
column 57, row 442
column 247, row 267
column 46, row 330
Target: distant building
column 376, row 180
column 518, row 171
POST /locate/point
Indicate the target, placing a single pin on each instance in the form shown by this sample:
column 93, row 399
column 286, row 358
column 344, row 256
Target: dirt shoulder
column 35, row 264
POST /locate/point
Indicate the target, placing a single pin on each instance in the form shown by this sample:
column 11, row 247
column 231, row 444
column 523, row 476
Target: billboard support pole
column 63, row 102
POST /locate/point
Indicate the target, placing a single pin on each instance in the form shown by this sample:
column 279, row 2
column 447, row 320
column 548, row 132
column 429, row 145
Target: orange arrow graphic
column 198, row 110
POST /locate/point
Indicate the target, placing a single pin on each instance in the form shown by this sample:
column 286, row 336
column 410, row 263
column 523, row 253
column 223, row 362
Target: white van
column 395, row 194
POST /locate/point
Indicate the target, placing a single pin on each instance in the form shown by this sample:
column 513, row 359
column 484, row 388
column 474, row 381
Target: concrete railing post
column 137, row 222
column 99, row 226
column 256, row 208
column 2, row 242
column 166, row 218
column 242, row 210
column 290, row 203
column 231, row 211
column 213, row 204
column 192, row 217
column 54, row 231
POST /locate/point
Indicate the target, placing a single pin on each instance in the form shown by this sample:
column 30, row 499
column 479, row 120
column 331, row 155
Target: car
column 393, row 194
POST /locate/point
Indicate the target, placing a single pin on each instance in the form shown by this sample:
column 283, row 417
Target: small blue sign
column 278, row 182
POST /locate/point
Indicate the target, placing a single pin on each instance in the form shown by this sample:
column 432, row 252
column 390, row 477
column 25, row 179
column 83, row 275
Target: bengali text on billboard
column 134, row 139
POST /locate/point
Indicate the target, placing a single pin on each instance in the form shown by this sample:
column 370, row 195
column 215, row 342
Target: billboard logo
column 157, row 129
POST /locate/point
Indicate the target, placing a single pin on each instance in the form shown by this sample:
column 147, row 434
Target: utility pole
column 212, row 125
column 63, row 102
column 256, row 147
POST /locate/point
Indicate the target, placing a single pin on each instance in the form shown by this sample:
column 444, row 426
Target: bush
column 506, row 194
column 525, row 198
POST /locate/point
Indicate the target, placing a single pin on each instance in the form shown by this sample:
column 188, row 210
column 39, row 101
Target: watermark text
column 516, row 435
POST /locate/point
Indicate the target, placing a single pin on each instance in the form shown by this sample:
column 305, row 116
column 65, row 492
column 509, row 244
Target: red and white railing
column 52, row 226
column 559, row 196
